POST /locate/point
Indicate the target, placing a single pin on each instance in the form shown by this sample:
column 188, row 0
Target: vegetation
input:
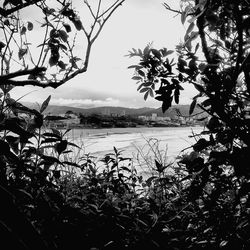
column 214, row 58
column 50, row 201
column 102, row 121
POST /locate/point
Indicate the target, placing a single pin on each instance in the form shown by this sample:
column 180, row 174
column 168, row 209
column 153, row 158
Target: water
column 99, row 142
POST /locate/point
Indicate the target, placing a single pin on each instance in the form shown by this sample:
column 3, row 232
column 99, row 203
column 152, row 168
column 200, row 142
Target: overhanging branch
column 34, row 71
column 7, row 12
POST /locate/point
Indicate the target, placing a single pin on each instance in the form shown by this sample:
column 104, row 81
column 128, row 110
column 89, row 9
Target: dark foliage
column 49, row 201
column 216, row 65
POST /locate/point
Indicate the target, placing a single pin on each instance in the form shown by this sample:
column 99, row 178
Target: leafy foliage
column 49, row 58
column 50, row 201
column 216, row 67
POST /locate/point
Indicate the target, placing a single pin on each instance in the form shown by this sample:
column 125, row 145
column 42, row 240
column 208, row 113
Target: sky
column 108, row 80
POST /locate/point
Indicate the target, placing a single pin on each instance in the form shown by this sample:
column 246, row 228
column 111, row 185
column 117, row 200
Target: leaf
column 63, row 35
column 193, row 35
column 50, row 160
column 202, row 66
column 156, row 53
column 22, row 52
column 190, row 28
column 144, row 90
column 73, row 145
column 38, row 121
column 166, row 52
column 45, row 104
column 151, row 92
column 56, row 132
column 201, row 144
column 196, row 47
column 54, row 59
column 183, row 17
column 141, row 73
column 50, row 140
column 192, row 106
column 67, row 27
column 13, row 125
column 206, row 103
column 51, row 135
column 176, row 95
column 62, row 65
column 30, row 26
column 62, row 46
column 13, row 142
column 159, row 166
column 78, row 24
column 25, row 193
column 125, row 168
column 140, row 86
column 166, row 104
column 23, row 30
column 71, row 164
column 137, row 78
column 150, row 179
column 223, row 243
column 14, row 2
column 146, row 95
column 61, row 146
column 199, row 87
column 135, row 67
column 2, row 45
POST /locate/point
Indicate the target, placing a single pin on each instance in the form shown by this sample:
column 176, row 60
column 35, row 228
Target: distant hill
column 99, row 110
column 56, row 110
column 171, row 112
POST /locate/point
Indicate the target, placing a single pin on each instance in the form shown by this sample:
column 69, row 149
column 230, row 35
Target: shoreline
column 139, row 126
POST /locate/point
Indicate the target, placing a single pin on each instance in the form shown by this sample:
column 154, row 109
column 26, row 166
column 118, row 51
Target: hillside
column 56, row 110
column 171, row 112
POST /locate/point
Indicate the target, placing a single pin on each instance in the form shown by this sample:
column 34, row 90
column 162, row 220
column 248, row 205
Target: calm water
column 98, row 142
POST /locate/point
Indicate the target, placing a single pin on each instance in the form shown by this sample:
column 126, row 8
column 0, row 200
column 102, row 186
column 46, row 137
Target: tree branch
column 201, row 26
column 34, row 71
column 6, row 12
column 104, row 21
column 170, row 9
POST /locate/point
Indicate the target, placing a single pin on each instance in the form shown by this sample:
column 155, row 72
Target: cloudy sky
column 108, row 80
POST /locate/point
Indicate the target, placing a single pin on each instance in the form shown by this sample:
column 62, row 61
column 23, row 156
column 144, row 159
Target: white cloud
column 84, row 103
column 108, row 81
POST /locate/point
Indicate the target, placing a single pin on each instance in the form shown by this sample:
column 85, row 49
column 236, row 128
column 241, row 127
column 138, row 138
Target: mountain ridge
column 145, row 111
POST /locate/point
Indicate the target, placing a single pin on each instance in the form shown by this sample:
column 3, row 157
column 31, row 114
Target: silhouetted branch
column 7, row 12
column 34, row 71
column 170, row 9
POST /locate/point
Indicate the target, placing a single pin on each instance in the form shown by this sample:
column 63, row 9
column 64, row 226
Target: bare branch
column 108, row 9
column 170, row 9
column 95, row 18
column 105, row 19
column 90, row 9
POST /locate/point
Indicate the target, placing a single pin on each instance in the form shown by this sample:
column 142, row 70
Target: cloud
column 85, row 103
column 107, row 81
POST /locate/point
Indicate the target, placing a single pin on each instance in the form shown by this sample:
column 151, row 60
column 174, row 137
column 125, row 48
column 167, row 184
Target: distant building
column 154, row 117
column 123, row 113
column 143, row 117
column 106, row 112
